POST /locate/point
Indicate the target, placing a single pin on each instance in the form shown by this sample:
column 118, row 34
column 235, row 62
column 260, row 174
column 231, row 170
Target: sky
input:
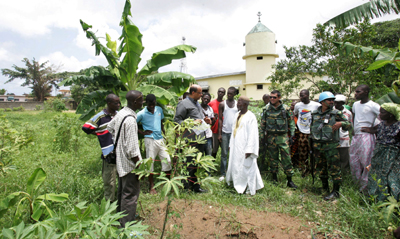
column 49, row 30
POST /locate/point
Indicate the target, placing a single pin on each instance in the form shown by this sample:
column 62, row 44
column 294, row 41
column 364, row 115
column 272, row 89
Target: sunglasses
column 273, row 97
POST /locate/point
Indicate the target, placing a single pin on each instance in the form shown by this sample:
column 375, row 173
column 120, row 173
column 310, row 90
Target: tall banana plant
column 368, row 10
column 383, row 58
column 122, row 73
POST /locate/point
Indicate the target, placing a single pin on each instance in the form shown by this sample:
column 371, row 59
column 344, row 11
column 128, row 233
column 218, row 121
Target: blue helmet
column 325, row 95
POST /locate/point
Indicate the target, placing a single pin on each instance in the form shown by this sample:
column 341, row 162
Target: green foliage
column 36, row 203
column 122, row 74
column 79, row 175
column 387, row 33
column 55, row 104
column 3, row 91
column 2, row 110
column 20, row 108
column 386, row 59
column 8, row 109
column 68, row 131
column 11, row 141
column 38, row 107
column 308, row 65
column 82, row 221
column 368, row 10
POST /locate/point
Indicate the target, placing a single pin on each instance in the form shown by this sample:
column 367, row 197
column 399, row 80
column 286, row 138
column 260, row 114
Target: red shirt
column 215, row 105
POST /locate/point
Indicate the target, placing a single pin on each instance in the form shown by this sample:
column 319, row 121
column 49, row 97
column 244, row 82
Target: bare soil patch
column 196, row 219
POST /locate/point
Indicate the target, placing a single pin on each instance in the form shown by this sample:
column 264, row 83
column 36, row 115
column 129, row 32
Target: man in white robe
column 242, row 169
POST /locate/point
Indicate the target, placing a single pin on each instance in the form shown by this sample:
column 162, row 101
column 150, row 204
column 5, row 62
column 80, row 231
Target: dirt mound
column 195, row 219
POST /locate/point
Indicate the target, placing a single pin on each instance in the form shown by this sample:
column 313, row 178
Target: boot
column 290, row 183
column 325, row 185
column 335, row 192
column 274, row 178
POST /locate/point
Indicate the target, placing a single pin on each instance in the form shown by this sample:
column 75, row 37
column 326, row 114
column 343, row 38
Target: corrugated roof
column 259, row 28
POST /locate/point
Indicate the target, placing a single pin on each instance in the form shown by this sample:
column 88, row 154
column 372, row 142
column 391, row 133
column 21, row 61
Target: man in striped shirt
column 98, row 126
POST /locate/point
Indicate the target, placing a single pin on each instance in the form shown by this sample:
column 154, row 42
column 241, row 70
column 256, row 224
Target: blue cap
column 325, row 95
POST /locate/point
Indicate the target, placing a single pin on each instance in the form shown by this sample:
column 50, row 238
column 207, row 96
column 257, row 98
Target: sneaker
column 221, row 178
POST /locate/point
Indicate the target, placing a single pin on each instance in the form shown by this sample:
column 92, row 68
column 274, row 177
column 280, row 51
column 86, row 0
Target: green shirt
column 277, row 120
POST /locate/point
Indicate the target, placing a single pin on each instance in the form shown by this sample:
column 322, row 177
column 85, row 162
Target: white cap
column 340, row 98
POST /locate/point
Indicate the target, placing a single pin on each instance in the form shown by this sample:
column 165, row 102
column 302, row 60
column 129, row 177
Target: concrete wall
column 224, row 81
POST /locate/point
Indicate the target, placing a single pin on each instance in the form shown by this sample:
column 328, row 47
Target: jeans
column 209, row 145
column 226, row 137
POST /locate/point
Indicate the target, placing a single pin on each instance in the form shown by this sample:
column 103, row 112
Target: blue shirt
column 151, row 121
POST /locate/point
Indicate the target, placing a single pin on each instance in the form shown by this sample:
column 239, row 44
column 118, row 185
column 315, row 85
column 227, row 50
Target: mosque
column 260, row 55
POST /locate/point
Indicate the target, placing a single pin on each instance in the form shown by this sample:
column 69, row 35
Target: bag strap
column 120, row 126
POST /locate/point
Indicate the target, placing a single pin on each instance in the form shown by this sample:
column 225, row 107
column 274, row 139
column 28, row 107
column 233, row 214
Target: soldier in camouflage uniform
column 325, row 126
column 276, row 122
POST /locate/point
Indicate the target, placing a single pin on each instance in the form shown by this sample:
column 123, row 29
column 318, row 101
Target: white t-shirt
column 344, row 135
column 210, row 114
column 304, row 115
column 366, row 115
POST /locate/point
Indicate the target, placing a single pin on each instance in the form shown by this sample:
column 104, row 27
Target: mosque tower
column 260, row 56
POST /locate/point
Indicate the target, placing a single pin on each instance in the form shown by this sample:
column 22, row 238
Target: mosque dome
column 259, row 28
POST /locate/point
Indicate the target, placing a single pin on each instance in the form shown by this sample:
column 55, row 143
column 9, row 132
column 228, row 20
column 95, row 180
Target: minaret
column 260, row 53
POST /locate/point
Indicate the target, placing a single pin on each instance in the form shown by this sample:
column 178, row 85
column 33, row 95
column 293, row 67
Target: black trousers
column 128, row 195
column 192, row 184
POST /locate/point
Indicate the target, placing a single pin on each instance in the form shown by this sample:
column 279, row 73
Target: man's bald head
column 111, row 97
column 195, row 92
column 135, row 99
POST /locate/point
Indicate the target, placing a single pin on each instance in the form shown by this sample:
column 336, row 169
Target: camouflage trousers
column 327, row 161
column 279, row 143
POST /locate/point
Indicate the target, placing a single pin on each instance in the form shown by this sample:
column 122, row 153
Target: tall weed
column 67, row 133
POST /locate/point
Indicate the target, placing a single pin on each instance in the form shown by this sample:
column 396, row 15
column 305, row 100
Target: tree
column 369, row 10
column 122, row 74
column 309, row 64
column 386, row 59
column 388, row 34
column 3, row 91
column 40, row 77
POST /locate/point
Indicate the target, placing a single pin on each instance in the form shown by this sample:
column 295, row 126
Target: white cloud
column 71, row 63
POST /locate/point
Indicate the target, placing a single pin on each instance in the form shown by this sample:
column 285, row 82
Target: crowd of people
column 313, row 137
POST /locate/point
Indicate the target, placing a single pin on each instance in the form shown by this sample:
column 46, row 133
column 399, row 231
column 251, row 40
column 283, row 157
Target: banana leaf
column 163, row 58
column 368, row 10
column 91, row 103
column 179, row 81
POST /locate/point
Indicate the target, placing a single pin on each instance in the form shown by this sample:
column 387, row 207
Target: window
column 259, row 87
column 1, row 99
column 16, row 99
column 259, row 57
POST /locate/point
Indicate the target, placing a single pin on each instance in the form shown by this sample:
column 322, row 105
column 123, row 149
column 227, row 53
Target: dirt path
column 196, row 219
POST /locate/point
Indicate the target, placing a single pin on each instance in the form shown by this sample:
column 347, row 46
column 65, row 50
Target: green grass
column 78, row 173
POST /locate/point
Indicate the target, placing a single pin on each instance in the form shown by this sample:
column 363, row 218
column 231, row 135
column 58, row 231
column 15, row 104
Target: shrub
column 38, row 107
column 54, row 105
column 68, row 132
column 1, row 110
column 8, row 109
column 20, row 108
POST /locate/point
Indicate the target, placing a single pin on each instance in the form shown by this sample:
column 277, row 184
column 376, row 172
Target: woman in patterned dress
column 385, row 162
